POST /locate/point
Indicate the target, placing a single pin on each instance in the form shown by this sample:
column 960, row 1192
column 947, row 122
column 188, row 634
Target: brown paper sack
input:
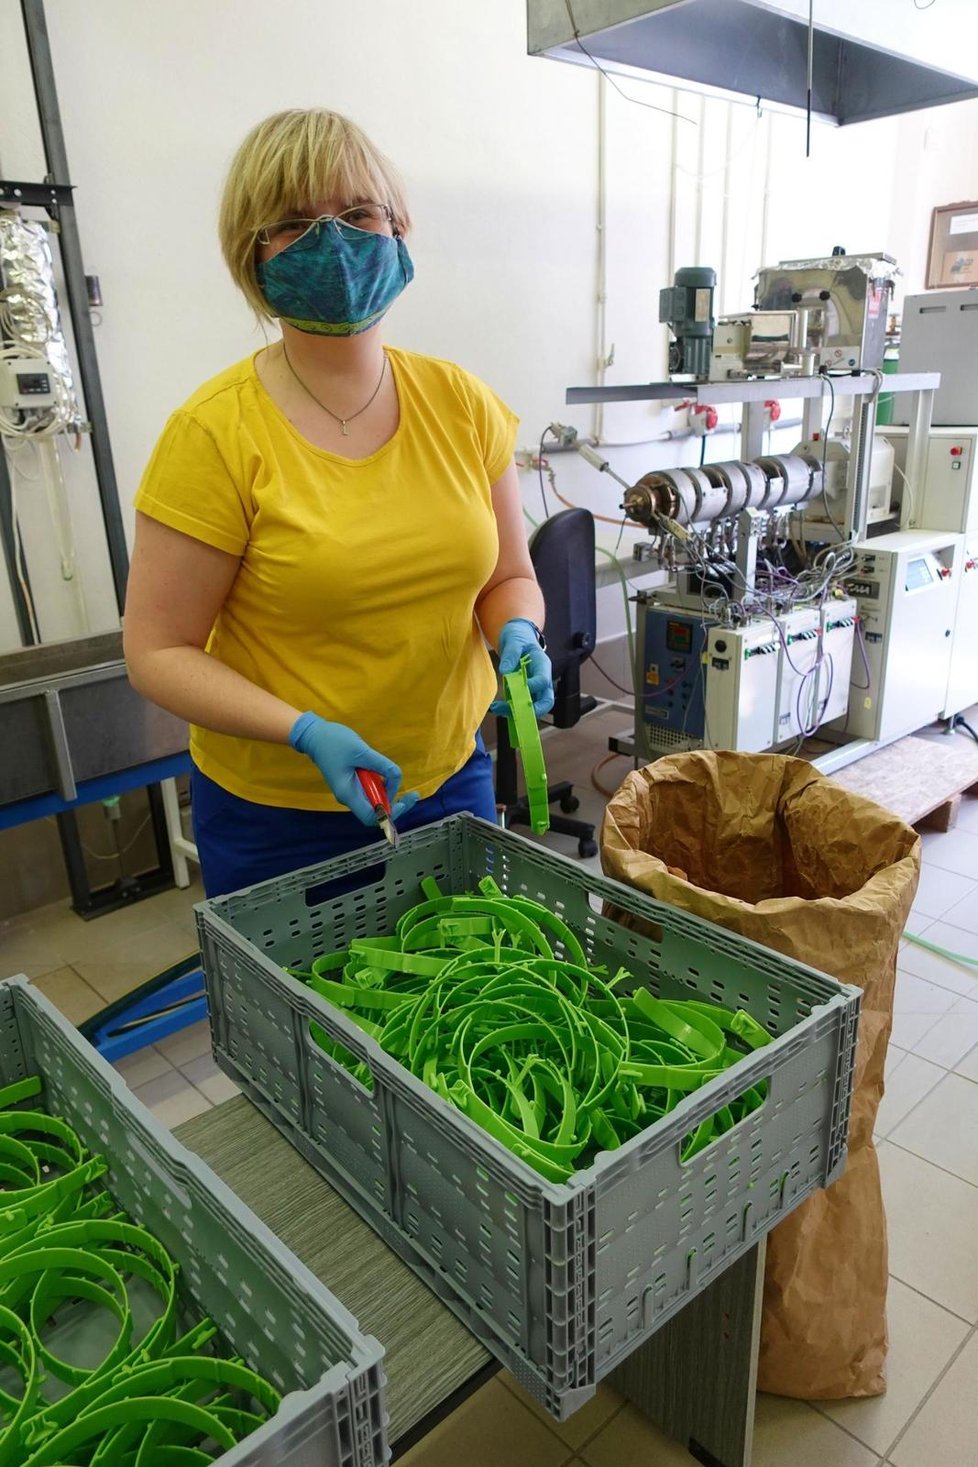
column 768, row 847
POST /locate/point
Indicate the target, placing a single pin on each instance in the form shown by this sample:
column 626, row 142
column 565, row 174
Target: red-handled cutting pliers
column 376, row 792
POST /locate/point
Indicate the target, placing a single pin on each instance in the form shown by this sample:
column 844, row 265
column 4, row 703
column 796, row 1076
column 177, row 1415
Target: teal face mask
column 335, row 280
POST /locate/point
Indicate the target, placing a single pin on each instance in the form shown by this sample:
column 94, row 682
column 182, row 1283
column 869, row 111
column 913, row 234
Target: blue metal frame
column 150, row 1017
column 91, row 790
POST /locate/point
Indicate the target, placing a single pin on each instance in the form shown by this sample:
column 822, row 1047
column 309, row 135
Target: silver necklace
column 342, row 421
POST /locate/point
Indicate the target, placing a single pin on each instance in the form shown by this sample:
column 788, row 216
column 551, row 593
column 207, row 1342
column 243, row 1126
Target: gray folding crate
column 269, row 1308
column 559, row 1281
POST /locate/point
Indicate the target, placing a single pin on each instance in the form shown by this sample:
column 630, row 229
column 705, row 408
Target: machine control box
column 25, row 382
column 948, row 497
column 907, row 623
column 741, row 686
column 671, row 644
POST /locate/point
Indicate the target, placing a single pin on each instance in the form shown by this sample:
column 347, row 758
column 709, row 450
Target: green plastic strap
column 524, row 735
column 142, row 1404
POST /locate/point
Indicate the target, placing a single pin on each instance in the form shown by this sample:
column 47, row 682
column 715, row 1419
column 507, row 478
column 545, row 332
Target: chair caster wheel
column 587, row 848
column 569, row 804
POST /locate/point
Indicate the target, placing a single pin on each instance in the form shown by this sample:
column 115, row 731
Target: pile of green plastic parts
column 553, row 1057
column 66, row 1255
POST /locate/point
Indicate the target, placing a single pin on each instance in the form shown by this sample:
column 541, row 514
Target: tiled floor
column 928, row 1146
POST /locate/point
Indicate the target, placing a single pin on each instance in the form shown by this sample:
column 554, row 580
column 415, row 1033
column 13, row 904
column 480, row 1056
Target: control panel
column 671, row 647
column 948, row 497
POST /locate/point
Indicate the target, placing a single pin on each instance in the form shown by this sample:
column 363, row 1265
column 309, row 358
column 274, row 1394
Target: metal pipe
column 42, row 70
column 600, row 322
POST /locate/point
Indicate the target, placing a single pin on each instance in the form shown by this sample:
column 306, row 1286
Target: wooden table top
column 429, row 1353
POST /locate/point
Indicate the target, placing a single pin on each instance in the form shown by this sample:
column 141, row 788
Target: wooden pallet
column 922, row 778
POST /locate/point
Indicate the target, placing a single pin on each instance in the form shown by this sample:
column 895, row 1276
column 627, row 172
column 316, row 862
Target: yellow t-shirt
column 356, row 592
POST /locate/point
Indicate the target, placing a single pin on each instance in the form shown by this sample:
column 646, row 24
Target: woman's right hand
column 338, row 753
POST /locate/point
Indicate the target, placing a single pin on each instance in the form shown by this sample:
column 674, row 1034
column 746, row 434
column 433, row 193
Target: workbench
column 695, row 1378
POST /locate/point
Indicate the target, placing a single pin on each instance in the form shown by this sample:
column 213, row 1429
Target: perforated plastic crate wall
column 270, row 1309
column 561, row 1282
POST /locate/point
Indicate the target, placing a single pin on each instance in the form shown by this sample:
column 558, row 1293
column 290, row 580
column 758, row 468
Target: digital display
column 919, row 574
column 679, row 636
column 33, row 382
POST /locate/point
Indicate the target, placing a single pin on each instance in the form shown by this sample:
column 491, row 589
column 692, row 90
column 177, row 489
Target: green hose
column 942, row 952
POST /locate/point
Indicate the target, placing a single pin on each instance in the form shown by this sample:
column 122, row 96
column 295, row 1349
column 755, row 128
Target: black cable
column 960, row 722
column 702, row 450
column 543, row 492
column 608, row 78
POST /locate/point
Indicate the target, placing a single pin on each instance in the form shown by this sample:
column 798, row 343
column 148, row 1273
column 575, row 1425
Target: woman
column 328, row 534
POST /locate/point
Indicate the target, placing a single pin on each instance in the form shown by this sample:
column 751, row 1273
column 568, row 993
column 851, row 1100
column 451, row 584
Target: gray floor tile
column 923, row 1338
column 932, row 1225
column 116, row 971
column 69, row 993
column 187, row 1044
column 940, row 890
column 963, row 915
column 909, row 1080
column 792, row 1432
column 211, row 1081
column 945, row 1434
column 943, row 1129
column 956, row 850
column 145, row 1065
column 960, row 977
column 172, row 1099
column 953, row 1036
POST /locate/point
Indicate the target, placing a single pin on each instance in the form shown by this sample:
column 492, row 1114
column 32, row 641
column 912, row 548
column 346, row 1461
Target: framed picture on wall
column 953, row 256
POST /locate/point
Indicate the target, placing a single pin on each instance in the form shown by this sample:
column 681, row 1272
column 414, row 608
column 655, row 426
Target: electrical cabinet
column 948, row 497
column 905, row 586
column 741, row 686
column 962, row 682
column 798, row 682
column 839, row 618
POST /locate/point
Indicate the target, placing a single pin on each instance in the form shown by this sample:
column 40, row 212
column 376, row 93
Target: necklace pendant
column 343, row 426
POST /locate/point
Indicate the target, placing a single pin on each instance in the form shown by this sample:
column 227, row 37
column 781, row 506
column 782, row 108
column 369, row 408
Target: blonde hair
column 285, row 166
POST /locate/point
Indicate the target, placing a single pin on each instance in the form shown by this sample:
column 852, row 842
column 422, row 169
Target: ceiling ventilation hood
column 756, row 50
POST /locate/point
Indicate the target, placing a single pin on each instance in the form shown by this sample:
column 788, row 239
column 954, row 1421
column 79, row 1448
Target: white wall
column 500, row 153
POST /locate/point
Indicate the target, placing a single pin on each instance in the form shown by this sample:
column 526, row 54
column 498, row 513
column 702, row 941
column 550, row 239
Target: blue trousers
column 241, row 843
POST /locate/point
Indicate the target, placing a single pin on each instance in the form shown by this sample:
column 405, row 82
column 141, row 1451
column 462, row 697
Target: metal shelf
column 758, row 389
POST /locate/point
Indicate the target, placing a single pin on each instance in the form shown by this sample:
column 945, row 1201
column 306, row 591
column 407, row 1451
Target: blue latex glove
column 516, row 641
column 338, row 753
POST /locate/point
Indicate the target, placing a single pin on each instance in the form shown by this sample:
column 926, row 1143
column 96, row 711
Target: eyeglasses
column 367, row 218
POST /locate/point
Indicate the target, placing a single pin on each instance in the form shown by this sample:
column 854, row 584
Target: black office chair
column 562, row 551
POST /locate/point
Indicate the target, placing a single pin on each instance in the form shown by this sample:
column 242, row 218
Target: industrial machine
column 732, row 654
column 905, row 586
column 780, row 565
column 843, row 302
column 824, row 315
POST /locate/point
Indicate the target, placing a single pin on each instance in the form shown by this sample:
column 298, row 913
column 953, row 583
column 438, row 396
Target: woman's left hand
column 518, row 639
